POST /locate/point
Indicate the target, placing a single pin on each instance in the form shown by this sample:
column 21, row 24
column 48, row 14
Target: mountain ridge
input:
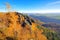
column 17, row 26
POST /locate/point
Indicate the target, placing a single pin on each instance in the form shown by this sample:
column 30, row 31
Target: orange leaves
column 33, row 27
column 38, row 33
column 15, row 30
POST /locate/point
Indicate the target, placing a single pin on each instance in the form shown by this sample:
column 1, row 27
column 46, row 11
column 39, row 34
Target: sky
column 32, row 6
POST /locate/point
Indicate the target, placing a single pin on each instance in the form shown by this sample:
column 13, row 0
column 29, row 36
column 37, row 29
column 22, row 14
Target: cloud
column 50, row 11
column 40, row 11
column 53, row 3
column 52, row 6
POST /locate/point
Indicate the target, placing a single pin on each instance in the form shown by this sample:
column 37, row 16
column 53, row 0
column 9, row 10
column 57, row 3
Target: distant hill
column 49, row 21
column 53, row 26
column 17, row 26
column 46, row 19
column 50, row 15
column 53, row 15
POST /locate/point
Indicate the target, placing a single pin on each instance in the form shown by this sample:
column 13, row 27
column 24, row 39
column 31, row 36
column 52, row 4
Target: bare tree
column 8, row 7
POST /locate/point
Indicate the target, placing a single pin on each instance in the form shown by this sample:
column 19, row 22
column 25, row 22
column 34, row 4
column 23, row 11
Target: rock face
column 16, row 26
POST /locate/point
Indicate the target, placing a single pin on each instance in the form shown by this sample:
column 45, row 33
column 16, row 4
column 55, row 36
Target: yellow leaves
column 1, row 36
column 38, row 32
column 30, row 32
column 40, row 36
column 33, row 27
column 9, row 32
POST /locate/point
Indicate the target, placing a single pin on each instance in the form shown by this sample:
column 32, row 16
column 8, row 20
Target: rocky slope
column 16, row 26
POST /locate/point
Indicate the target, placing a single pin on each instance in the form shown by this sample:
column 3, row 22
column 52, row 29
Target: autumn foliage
column 16, row 26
